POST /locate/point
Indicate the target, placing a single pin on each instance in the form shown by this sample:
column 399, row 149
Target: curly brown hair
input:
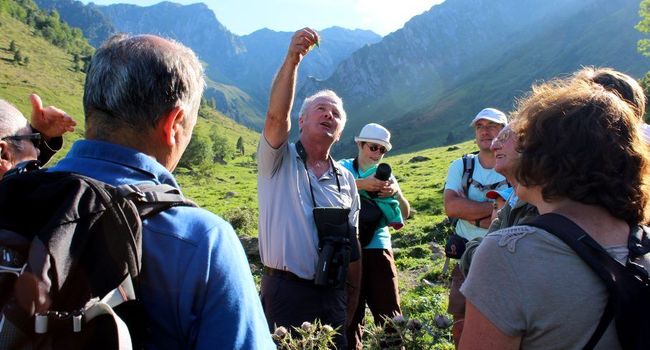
column 580, row 140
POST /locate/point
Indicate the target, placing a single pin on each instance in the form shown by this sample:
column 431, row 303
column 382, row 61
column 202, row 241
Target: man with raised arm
column 296, row 184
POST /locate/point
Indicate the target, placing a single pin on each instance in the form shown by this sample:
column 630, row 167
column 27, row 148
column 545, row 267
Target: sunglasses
column 36, row 138
column 373, row 148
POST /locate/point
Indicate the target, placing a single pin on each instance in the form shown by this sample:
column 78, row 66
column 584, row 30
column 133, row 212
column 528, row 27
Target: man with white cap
column 379, row 193
column 468, row 179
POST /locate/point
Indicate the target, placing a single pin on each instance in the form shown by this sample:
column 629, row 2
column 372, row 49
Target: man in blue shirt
column 141, row 102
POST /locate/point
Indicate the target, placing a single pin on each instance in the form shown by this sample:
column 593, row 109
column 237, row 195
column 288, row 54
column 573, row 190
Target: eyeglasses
column 373, row 148
column 36, row 138
column 502, row 137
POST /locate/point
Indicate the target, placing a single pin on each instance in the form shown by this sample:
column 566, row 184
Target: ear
column 300, row 122
column 6, row 155
column 170, row 125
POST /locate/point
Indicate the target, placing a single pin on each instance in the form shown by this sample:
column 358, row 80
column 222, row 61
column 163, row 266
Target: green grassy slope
column 49, row 73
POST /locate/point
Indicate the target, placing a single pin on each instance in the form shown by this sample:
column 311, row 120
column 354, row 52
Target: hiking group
column 112, row 255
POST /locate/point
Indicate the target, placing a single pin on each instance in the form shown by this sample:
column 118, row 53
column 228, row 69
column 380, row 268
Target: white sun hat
column 375, row 133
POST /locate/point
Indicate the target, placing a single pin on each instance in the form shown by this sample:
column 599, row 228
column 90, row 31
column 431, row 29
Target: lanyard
column 303, row 156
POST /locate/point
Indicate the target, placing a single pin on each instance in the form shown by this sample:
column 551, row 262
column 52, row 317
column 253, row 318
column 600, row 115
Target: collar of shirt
column 113, row 164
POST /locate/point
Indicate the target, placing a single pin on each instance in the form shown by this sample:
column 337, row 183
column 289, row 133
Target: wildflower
column 328, row 329
column 306, row 326
column 399, row 320
column 414, row 324
column 280, row 332
column 442, row 321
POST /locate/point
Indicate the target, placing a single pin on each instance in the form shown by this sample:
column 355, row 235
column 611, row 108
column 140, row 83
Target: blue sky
column 245, row 16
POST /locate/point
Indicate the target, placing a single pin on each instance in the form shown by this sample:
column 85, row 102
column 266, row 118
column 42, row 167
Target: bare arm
column 480, row 333
column 278, row 122
column 404, row 205
column 457, row 206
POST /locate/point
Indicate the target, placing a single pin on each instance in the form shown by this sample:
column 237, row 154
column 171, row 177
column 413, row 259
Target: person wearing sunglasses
column 379, row 284
column 21, row 141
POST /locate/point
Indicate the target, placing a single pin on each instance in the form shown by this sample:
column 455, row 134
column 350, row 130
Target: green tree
column 18, row 56
column 221, row 151
column 12, row 46
column 644, row 27
column 644, row 44
column 198, row 152
column 645, row 84
column 240, row 145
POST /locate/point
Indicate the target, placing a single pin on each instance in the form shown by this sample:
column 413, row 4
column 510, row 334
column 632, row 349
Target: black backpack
column 628, row 286
column 370, row 215
column 70, row 258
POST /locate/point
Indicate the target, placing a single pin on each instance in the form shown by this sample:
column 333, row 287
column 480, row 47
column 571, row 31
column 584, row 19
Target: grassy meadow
column 229, row 188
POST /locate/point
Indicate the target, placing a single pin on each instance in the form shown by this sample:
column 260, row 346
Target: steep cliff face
column 240, row 67
column 424, row 81
column 428, row 79
column 451, row 41
column 96, row 27
column 265, row 50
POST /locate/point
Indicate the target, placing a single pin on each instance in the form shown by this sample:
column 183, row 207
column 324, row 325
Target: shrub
column 243, row 220
column 199, row 151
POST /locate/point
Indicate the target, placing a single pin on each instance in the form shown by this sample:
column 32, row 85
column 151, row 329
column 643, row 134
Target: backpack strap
column 468, row 171
column 151, row 199
column 606, row 267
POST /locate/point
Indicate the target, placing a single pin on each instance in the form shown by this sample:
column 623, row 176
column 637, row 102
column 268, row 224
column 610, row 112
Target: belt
column 287, row 275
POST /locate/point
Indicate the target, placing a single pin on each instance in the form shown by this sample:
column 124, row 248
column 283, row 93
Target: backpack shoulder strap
column 607, row 268
column 151, row 199
column 468, row 171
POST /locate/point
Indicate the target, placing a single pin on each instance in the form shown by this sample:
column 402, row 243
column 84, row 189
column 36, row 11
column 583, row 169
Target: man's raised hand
column 301, row 42
column 50, row 121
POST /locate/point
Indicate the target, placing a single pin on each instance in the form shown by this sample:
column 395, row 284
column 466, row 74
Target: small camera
column 383, row 173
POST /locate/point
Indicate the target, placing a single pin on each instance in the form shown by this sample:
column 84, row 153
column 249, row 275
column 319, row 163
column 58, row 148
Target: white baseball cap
column 375, row 133
column 491, row 114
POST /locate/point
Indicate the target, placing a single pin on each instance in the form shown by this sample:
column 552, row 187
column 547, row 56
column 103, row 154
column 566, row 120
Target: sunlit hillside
column 49, row 73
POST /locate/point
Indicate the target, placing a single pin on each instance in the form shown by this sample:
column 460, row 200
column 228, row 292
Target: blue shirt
column 196, row 284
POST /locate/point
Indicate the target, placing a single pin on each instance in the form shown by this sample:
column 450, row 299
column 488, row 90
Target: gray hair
column 11, row 120
column 324, row 93
column 133, row 81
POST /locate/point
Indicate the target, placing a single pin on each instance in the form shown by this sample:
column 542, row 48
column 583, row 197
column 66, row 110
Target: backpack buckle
column 58, row 320
column 131, row 192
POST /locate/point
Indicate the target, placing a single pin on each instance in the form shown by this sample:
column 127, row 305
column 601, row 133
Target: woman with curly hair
column 582, row 157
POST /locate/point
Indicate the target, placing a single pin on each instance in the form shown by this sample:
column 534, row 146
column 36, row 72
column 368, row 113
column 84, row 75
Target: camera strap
column 303, row 156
